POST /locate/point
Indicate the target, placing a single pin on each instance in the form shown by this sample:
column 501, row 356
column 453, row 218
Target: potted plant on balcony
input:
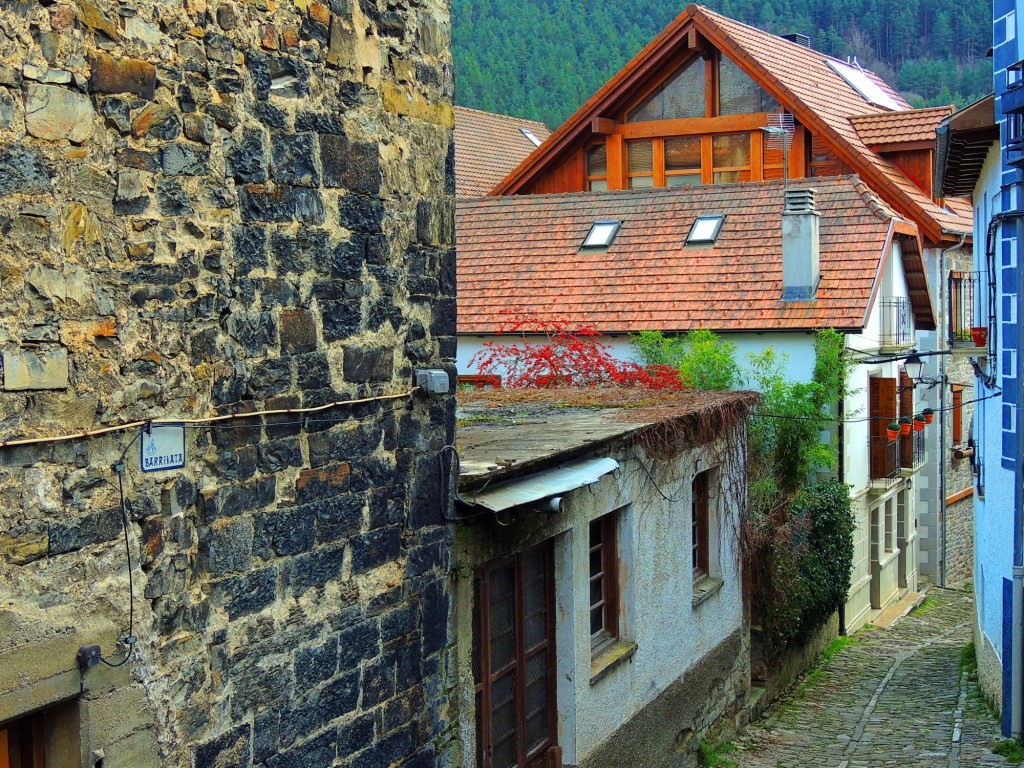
column 892, row 431
column 919, row 422
column 929, row 415
column 905, row 423
column 979, row 335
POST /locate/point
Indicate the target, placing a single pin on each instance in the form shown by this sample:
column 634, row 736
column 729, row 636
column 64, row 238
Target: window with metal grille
column 513, row 660
column 604, row 609
column 700, row 540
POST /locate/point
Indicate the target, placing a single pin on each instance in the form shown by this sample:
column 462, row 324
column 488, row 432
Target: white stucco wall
column 656, row 588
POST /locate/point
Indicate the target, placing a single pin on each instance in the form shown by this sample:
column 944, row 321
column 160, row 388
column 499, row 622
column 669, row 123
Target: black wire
column 445, row 483
column 654, row 482
column 129, row 640
column 829, row 420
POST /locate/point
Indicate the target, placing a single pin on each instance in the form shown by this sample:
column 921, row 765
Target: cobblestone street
column 892, row 697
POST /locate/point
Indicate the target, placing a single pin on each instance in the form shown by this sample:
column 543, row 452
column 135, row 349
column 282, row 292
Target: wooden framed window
column 738, row 94
column 21, row 743
column 958, row 415
column 604, row 586
column 46, row 739
column 700, row 541
column 683, row 94
column 514, row 660
column 597, row 168
column 906, row 402
column 683, row 161
column 640, row 156
column 731, row 157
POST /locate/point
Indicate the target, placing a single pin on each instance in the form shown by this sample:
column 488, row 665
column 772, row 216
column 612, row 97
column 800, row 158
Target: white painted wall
column 656, row 588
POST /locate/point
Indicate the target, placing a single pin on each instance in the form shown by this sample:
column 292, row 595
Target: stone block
column 56, row 113
column 351, row 165
column 97, row 19
column 404, row 100
column 247, row 159
column 336, row 518
column 376, row 548
column 228, row 750
column 378, row 681
column 226, row 546
column 255, row 331
column 45, row 369
column 7, row 111
column 110, row 74
column 21, row 546
column 259, row 203
column 284, row 532
column 316, row 752
column 369, row 364
column 184, row 160
column 312, row 371
column 316, row 569
column 243, row 595
column 156, row 121
column 293, row 157
column 173, row 199
column 298, row 331
column 74, row 534
column 361, row 214
column 355, row 735
column 316, row 664
column 23, row 171
column 322, row 483
column 201, row 128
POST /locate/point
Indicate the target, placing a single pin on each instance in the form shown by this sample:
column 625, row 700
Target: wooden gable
column 802, row 81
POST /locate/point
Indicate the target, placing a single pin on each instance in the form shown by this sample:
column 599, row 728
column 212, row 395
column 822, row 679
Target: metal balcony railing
column 885, row 462
column 912, row 451
column 897, row 331
column 963, row 292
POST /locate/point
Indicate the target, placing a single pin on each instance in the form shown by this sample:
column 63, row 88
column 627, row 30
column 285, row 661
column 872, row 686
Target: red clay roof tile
column 523, row 252
column 488, row 146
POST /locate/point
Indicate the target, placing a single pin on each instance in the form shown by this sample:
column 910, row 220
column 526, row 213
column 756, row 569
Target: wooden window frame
column 700, row 526
column 484, row 677
column 957, row 417
column 608, row 578
column 588, row 177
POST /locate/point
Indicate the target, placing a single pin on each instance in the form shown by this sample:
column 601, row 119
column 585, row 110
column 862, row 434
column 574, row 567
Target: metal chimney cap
column 800, row 201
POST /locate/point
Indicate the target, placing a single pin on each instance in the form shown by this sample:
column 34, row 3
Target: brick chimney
column 801, row 269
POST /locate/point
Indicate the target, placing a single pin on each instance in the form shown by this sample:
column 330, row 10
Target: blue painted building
column 981, row 152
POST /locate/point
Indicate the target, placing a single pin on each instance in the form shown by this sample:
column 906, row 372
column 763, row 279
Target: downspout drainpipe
column 1017, row 668
column 942, row 408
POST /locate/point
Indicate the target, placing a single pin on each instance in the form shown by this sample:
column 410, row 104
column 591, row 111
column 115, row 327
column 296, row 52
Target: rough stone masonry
column 214, row 207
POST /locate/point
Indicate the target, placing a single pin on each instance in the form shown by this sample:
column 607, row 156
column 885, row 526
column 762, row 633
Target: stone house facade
column 207, row 209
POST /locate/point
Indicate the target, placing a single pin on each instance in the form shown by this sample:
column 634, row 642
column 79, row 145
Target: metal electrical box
column 433, row 381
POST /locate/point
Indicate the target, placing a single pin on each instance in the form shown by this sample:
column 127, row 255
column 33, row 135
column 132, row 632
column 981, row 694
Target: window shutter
column 906, row 397
column 958, row 416
column 882, row 410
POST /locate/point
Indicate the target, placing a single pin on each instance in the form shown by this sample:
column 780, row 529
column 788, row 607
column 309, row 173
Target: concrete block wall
column 212, row 207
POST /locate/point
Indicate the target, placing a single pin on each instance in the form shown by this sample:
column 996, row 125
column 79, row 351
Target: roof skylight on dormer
column 861, row 82
column 602, row 234
column 705, row 230
column 531, row 136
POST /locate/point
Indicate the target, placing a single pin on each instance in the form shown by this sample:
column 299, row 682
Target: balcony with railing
column 897, row 326
column 912, row 452
column 885, row 463
column 965, row 335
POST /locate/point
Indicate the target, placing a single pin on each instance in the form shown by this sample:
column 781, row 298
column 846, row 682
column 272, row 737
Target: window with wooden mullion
column 604, row 627
column 700, row 541
column 513, row 660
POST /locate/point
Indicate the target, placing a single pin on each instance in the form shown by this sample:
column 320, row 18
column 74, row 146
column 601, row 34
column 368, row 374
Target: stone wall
column 211, row 208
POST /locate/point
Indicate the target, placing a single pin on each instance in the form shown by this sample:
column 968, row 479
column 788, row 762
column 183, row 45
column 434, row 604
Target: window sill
column 610, row 658
column 705, row 588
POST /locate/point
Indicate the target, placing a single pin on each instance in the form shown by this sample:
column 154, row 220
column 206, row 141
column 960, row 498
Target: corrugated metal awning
column 542, row 485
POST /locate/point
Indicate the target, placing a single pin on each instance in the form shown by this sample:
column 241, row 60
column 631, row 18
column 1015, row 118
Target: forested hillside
column 542, row 58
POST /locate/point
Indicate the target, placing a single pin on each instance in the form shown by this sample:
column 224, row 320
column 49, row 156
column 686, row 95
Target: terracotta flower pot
column 979, row 335
column 892, row 434
column 929, row 418
column 905, row 428
column 918, row 426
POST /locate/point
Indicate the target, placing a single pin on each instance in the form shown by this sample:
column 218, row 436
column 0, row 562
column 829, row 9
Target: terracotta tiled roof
column 488, row 146
column 523, row 251
column 898, row 127
column 799, row 78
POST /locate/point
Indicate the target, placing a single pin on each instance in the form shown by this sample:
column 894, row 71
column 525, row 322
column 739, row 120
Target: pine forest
column 541, row 59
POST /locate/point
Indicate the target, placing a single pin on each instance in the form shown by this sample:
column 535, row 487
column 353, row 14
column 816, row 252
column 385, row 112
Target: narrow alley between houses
column 902, row 695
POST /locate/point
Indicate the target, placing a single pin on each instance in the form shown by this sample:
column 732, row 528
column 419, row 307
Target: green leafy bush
column 705, row 361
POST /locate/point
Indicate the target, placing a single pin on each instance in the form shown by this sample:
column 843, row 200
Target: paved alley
column 892, row 697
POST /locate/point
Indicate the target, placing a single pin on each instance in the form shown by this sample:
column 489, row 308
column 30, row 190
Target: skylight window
column 705, row 230
column 862, row 83
column 602, row 234
column 531, row 136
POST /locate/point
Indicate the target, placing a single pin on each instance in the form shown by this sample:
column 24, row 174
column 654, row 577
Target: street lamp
column 914, row 367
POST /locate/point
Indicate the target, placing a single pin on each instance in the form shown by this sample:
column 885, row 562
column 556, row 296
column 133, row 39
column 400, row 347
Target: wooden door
column 514, row 661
